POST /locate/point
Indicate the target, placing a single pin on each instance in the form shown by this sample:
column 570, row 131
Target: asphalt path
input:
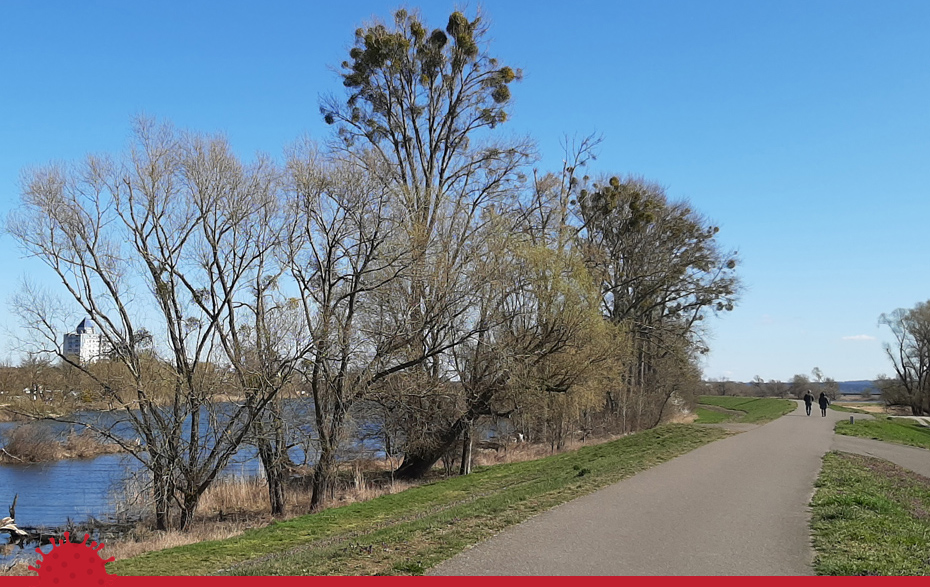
column 738, row 506
column 909, row 457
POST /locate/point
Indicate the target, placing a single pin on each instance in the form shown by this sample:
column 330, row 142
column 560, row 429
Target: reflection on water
column 51, row 493
column 74, row 490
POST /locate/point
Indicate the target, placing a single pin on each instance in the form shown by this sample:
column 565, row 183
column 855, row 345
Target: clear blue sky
column 801, row 127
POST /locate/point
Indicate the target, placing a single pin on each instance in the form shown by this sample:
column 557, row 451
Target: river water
column 55, row 494
column 51, row 494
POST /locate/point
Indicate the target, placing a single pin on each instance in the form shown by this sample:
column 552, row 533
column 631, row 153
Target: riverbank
column 236, row 504
column 406, row 532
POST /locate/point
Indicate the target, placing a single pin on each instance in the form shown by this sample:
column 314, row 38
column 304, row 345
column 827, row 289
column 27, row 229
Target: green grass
column 897, row 430
column 757, row 410
column 709, row 416
column 409, row 532
column 870, row 517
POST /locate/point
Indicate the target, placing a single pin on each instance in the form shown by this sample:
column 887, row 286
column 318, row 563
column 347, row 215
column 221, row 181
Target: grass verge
column 409, row 532
column 897, row 430
column 758, row 410
column 870, row 517
column 711, row 416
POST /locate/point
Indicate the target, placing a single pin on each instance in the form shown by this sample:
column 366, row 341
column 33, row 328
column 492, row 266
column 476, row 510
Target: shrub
column 31, row 443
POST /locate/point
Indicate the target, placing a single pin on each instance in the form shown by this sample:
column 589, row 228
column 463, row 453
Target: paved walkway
column 738, row 506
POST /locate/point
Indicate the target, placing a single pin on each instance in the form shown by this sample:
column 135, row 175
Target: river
column 55, row 494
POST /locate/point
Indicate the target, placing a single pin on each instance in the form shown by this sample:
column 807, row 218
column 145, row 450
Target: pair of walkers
column 822, row 400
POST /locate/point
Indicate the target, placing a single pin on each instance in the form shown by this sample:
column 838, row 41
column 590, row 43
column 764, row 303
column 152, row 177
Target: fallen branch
column 4, row 451
column 7, row 525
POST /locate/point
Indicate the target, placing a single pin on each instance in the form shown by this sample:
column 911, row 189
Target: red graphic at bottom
column 72, row 563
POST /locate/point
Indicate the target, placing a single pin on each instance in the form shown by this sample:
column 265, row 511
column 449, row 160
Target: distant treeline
column 796, row 388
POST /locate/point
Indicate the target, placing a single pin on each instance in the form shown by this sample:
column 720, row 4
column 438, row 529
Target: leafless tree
column 163, row 243
column 910, row 356
column 347, row 255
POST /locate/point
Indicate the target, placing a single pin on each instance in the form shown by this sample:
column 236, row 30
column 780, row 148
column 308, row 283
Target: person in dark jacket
column 824, row 402
column 808, row 400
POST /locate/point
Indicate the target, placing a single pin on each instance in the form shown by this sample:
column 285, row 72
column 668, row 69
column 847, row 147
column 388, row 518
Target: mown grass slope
column 897, row 430
column 757, row 410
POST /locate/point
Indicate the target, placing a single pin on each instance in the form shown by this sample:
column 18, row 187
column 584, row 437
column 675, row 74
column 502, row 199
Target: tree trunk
column 323, row 477
column 188, row 507
column 467, row 444
column 272, row 451
column 275, row 468
column 418, row 463
column 162, row 489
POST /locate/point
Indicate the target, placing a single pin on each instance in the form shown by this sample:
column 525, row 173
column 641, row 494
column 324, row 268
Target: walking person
column 808, row 400
column 824, row 402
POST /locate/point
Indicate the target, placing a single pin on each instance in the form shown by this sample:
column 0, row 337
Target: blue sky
column 802, row 128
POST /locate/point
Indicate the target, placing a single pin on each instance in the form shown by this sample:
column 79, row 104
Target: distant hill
column 857, row 387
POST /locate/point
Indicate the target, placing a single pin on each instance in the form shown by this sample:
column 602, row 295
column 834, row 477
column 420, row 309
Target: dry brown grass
column 361, row 480
column 875, row 408
column 517, row 452
column 31, row 443
column 236, row 495
column 681, row 418
column 144, row 539
column 86, row 445
column 362, row 487
column 6, row 415
column 16, row 569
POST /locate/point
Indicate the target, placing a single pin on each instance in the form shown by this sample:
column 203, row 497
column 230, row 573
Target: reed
column 31, row 442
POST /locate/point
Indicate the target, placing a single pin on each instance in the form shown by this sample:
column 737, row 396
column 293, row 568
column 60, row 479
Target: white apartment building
column 86, row 343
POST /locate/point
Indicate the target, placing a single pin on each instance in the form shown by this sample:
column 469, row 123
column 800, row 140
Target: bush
column 31, row 443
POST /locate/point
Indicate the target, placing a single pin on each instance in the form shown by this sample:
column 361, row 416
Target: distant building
column 86, row 343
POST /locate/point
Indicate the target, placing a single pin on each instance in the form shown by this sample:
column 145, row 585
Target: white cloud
column 859, row 337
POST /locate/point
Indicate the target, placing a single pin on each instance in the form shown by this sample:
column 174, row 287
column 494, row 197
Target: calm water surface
column 52, row 493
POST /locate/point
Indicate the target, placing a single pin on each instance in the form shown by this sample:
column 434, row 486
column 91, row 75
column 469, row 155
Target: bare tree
column 162, row 244
column 347, row 255
column 800, row 384
column 910, row 356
